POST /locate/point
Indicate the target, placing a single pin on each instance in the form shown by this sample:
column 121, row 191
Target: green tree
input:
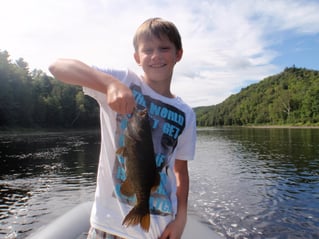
column 34, row 99
column 291, row 97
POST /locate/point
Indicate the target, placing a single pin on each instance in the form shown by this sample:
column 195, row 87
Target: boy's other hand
column 120, row 98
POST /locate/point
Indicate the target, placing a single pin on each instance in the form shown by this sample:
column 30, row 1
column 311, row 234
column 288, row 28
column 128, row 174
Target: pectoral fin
column 127, row 188
column 156, row 182
column 121, row 151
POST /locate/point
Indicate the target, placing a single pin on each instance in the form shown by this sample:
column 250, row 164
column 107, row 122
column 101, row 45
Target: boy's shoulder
column 187, row 108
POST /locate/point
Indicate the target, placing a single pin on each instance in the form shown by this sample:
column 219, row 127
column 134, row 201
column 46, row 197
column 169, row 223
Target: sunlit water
column 258, row 183
column 245, row 183
column 42, row 176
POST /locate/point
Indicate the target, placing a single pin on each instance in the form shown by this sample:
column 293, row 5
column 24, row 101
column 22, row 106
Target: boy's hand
column 174, row 230
column 120, row 98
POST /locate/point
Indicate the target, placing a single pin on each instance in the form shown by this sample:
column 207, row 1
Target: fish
column 142, row 176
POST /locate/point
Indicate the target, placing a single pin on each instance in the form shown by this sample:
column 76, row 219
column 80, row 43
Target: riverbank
column 34, row 131
column 37, row 130
column 283, row 126
column 263, row 126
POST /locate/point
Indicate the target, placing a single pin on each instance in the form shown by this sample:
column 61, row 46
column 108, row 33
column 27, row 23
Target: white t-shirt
column 174, row 134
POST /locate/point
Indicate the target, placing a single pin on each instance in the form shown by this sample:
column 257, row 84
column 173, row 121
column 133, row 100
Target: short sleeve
column 187, row 141
column 100, row 97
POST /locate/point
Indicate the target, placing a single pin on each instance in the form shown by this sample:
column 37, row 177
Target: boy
column 158, row 48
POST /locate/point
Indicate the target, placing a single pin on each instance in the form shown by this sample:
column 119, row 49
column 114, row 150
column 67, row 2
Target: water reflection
column 260, row 182
column 42, row 175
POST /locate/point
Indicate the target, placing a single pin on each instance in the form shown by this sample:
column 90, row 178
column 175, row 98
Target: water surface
column 245, row 182
column 42, row 176
column 258, row 183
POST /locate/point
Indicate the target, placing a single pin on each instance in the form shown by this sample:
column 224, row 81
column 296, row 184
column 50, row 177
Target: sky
column 228, row 44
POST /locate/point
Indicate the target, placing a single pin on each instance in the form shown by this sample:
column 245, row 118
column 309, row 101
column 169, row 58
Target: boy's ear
column 137, row 58
column 179, row 55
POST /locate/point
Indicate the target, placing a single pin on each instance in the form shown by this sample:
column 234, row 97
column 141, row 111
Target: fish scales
column 142, row 176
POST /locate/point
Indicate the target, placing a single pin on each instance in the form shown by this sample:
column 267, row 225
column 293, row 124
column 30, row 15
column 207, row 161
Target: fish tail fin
column 138, row 215
column 146, row 222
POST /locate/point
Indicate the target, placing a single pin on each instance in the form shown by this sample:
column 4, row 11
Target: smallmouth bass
column 142, row 176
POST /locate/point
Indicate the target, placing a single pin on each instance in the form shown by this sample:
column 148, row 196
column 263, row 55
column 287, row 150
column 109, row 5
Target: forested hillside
column 34, row 99
column 291, row 97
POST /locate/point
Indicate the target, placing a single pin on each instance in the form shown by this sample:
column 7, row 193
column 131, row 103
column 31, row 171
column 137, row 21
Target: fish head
column 138, row 122
column 141, row 114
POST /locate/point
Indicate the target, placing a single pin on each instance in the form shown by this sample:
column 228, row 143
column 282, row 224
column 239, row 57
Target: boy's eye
column 148, row 50
column 164, row 48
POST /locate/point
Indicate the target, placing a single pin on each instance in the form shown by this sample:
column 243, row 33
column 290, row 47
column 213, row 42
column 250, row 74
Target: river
column 245, row 182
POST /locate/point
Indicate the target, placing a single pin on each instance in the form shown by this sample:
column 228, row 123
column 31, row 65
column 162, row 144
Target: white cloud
column 300, row 16
column 226, row 43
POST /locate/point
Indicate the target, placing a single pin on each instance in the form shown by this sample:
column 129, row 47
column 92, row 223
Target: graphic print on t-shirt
column 167, row 123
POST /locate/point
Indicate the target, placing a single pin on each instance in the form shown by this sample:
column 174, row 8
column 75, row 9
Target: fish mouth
column 142, row 113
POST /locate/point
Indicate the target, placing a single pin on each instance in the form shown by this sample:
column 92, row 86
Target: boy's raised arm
column 74, row 72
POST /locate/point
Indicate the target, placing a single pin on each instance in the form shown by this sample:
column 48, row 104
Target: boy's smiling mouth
column 157, row 65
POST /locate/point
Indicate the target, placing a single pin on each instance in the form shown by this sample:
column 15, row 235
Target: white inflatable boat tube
column 76, row 223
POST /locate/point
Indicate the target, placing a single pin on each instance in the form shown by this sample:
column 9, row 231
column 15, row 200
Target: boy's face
column 157, row 57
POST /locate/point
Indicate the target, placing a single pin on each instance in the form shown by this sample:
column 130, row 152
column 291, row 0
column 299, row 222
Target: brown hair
column 159, row 28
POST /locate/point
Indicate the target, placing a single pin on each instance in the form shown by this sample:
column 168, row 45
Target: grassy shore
column 264, row 126
column 284, row 126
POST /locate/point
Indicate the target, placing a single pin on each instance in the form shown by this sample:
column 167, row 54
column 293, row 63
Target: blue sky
column 227, row 44
column 301, row 50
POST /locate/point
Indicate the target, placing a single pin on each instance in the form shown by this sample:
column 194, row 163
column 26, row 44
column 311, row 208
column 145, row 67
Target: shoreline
column 261, row 127
column 282, row 126
column 37, row 131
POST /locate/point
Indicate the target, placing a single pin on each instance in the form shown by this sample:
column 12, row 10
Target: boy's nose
column 156, row 54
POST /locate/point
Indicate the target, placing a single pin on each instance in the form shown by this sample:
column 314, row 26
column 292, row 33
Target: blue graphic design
column 167, row 124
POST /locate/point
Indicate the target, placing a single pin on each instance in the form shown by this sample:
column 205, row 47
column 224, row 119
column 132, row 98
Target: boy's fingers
column 130, row 108
column 123, row 105
column 120, row 98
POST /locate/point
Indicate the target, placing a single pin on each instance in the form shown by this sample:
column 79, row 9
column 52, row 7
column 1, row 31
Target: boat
column 75, row 224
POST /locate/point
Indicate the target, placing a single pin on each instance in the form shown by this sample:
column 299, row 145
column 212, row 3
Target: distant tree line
column 291, row 97
column 34, row 99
